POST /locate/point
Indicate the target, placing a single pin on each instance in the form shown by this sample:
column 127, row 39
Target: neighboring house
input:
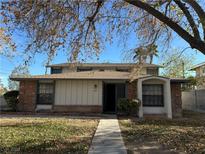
column 200, row 74
column 96, row 88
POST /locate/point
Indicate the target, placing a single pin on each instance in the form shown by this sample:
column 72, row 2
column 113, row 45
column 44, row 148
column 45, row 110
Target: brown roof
column 79, row 75
column 101, row 65
column 104, row 75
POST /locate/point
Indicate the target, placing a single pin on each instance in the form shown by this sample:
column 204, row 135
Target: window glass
column 45, row 93
column 56, row 70
column 152, row 95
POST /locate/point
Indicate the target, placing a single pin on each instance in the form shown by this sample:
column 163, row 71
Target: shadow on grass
column 181, row 134
column 24, row 125
column 51, row 115
column 185, row 122
column 72, row 145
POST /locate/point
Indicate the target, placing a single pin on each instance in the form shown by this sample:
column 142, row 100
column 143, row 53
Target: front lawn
column 46, row 135
column 178, row 135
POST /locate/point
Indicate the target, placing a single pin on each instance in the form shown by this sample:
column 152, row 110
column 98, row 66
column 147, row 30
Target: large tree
column 2, row 88
column 20, row 70
column 80, row 26
column 176, row 64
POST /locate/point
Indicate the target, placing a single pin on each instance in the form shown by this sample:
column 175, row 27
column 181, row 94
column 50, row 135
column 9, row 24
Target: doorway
column 112, row 92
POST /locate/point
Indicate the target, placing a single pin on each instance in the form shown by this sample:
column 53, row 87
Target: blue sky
column 111, row 53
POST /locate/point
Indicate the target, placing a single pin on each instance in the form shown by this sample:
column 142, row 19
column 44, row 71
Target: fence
column 194, row 100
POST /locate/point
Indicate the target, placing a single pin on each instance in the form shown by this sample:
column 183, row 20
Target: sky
column 111, row 53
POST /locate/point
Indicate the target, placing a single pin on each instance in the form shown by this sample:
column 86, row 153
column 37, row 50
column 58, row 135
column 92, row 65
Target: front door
column 112, row 92
column 109, row 98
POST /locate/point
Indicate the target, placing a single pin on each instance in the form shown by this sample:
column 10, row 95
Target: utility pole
column 183, row 70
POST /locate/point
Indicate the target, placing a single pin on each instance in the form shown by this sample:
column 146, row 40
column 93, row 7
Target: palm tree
column 141, row 54
column 152, row 51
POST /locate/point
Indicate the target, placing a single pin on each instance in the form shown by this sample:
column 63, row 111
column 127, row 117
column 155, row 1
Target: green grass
column 46, row 135
column 180, row 135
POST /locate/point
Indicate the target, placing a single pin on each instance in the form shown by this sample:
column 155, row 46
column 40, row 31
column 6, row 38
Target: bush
column 11, row 98
column 128, row 107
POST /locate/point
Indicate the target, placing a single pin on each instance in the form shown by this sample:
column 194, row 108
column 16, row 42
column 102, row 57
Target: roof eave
column 179, row 80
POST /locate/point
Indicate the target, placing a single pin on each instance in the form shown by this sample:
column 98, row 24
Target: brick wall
column 176, row 99
column 132, row 90
column 27, row 96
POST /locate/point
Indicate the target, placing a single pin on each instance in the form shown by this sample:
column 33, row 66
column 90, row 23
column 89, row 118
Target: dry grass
column 46, row 135
column 179, row 135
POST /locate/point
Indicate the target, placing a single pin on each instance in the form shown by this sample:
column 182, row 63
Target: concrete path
column 108, row 138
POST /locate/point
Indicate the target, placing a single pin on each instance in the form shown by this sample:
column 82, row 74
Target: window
column 152, row 71
column 45, row 93
column 203, row 70
column 122, row 69
column 83, row 69
column 152, row 95
column 56, row 70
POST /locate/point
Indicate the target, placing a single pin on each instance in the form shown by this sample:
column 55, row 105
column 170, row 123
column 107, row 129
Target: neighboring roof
column 79, row 75
column 198, row 65
column 179, row 80
column 101, row 65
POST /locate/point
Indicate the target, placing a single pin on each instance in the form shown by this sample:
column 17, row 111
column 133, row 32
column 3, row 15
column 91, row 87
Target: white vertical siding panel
column 100, row 90
column 73, row 92
column 60, row 94
column 81, row 92
column 78, row 92
column 65, row 92
column 68, row 92
column 90, row 93
column 95, row 92
column 85, row 92
column 56, row 93
column 63, row 89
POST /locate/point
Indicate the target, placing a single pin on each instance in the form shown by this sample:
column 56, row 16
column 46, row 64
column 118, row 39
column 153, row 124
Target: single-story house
column 96, row 88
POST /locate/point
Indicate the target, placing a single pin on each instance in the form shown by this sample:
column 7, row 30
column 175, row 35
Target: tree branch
column 189, row 18
column 194, row 43
column 200, row 12
column 91, row 18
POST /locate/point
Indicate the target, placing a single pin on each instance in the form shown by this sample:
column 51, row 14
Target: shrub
column 122, row 105
column 128, row 107
column 11, row 98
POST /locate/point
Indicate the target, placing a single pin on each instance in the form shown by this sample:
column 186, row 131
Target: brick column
column 27, row 96
column 176, row 99
column 132, row 90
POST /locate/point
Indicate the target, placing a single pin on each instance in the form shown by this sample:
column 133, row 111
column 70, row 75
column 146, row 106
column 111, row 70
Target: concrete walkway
column 108, row 138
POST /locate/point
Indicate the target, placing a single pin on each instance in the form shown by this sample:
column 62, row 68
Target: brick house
column 96, row 88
